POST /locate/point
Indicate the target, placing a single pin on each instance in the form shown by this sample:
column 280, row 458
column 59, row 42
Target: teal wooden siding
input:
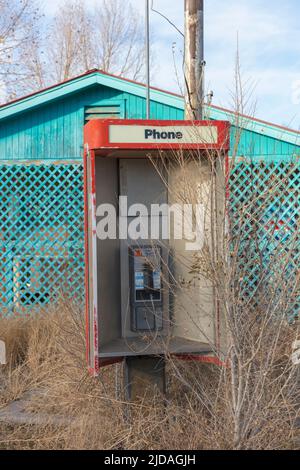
column 55, row 131
column 257, row 146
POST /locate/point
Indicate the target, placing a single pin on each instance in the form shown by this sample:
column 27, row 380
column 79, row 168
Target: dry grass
column 46, row 356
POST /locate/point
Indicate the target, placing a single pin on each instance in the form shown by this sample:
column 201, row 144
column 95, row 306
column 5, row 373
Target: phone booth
column 132, row 310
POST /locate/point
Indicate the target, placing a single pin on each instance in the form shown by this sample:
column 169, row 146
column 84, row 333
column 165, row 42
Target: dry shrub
column 47, row 364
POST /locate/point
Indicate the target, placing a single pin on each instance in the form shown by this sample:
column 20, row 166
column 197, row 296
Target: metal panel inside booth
column 108, row 255
column 196, row 312
column 141, row 183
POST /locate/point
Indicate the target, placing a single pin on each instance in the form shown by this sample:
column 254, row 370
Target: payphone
column 146, row 288
column 132, row 306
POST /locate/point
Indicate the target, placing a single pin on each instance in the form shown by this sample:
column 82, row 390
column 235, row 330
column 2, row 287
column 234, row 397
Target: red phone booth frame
column 97, row 143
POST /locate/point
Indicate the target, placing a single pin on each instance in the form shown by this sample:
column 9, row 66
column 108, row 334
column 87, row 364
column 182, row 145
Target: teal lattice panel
column 42, row 230
column 41, row 234
column 264, row 217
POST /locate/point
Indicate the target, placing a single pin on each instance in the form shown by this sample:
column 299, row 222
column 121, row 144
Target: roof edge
column 88, row 78
column 96, row 76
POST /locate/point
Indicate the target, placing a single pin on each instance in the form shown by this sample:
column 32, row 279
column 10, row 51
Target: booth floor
column 145, row 345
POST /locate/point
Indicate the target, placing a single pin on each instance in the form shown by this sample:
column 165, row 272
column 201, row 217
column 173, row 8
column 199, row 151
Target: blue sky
column 269, row 46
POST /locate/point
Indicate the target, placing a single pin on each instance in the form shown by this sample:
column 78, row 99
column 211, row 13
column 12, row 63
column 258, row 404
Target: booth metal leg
column 144, row 376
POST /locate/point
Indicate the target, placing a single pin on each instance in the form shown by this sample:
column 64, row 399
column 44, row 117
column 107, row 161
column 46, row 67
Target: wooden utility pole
column 147, row 34
column 194, row 58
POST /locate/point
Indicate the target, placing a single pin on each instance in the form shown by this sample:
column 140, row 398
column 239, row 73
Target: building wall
column 255, row 145
column 55, row 131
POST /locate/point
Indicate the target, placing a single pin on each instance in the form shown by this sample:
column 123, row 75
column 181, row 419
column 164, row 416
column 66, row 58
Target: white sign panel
column 126, row 134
